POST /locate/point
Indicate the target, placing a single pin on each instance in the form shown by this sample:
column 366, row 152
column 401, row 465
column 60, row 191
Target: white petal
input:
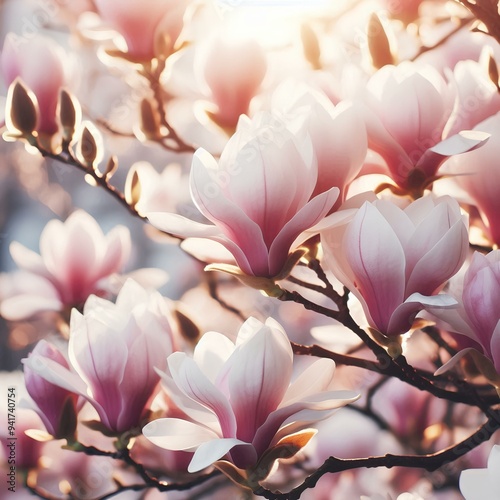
column 211, row 451
column 475, row 485
column 177, row 434
column 25, row 306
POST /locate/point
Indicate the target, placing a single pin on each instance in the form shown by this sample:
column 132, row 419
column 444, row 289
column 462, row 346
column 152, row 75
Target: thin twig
column 430, row 462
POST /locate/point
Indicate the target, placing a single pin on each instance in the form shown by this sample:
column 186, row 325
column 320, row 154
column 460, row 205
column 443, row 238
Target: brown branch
column 67, row 158
column 340, row 359
column 212, row 283
column 485, row 11
column 385, row 365
column 430, row 462
column 153, row 75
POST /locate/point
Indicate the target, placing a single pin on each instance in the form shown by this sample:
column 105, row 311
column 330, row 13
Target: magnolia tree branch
column 68, row 158
column 171, row 141
column 429, row 462
column 485, row 11
column 148, row 480
column 386, row 365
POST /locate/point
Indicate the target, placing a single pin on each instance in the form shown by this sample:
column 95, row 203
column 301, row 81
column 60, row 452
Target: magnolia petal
column 309, row 215
column 181, row 226
column 285, row 448
column 259, row 374
column 475, row 484
column 211, row 352
column 193, row 382
column 27, row 259
column 495, row 346
column 464, row 141
column 193, row 409
column 398, row 219
column 341, row 216
column 440, row 262
column 177, row 434
column 211, row 451
column 118, row 246
column 380, row 141
column 56, row 374
column 26, row 306
column 377, row 260
column 318, row 406
column 99, row 358
column 186, row 228
column 148, row 277
column 207, row 250
column 236, row 225
column 453, row 361
column 316, row 378
column 494, row 466
column 402, row 319
column 237, row 476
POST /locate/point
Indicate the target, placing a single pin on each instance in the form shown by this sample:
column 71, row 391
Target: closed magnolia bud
column 89, row 146
column 188, row 328
column 69, row 113
column 378, row 43
column 310, row 43
column 56, row 406
column 111, row 167
column 493, row 70
column 132, row 188
column 150, row 120
column 22, row 109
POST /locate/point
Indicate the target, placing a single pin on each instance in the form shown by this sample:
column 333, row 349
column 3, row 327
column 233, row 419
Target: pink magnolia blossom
column 477, row 97
column 24, row 450
column 338, row 134
column 233, row 70
column 239, row 399
column 39, row 63
column 405, row 10
column 478, row 314
column 56, row 406
column 114, row 350
column 76, row 259
column 408, row 108
column 395, row 260
column 141, row 21
column 478, row 174
column 258, row 196
column 482, row 484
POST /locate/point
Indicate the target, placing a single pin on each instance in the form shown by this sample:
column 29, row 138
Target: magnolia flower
column 55, row 406
column 140, row 22
column 76, row 259
column 160, row 191
column 239, row 402
column 478, row 314
column 478, row 173
column 395, row 260
column 233, row 70
column 337, row 134
column 408, row 108
column 39, row 63
column 24, row 450
column 258, row 197
column 114, row 350
column 477, row 97
column 482, row 484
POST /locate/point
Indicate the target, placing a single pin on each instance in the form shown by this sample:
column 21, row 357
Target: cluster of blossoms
column 337, row 212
